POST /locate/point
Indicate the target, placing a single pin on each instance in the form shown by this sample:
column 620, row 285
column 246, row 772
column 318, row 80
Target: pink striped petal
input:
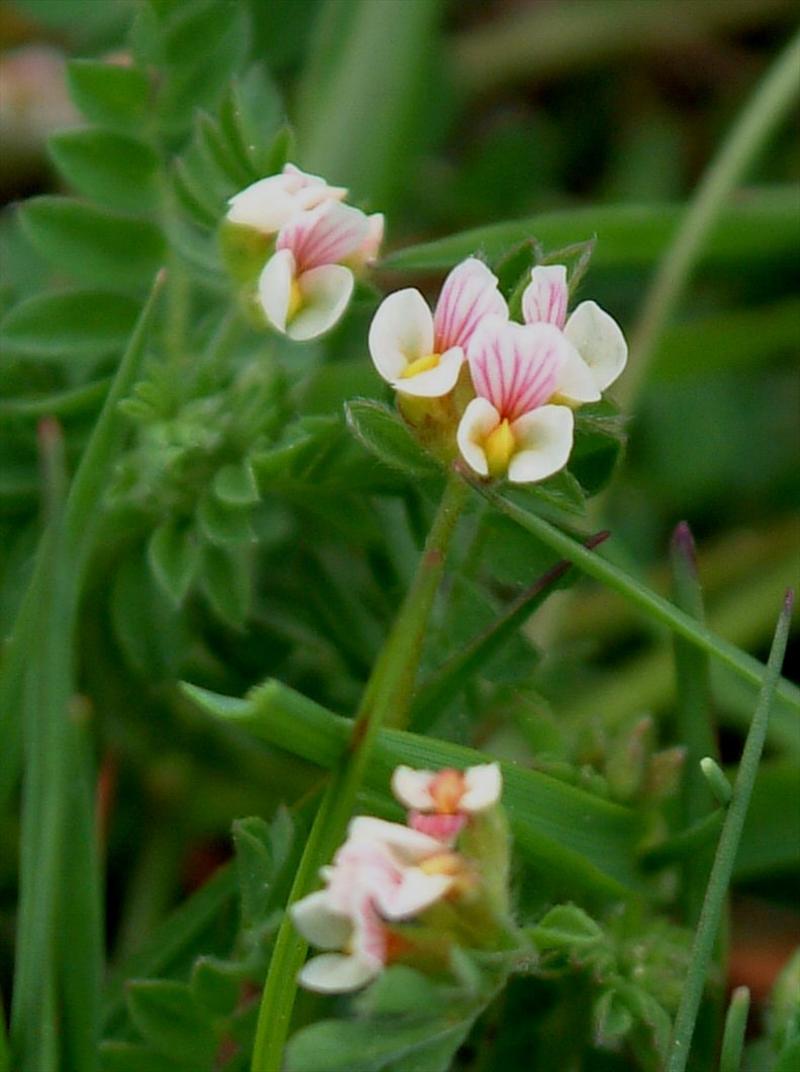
column 515, row 366
column 327, row 235
column 468, row 295
column 545, row 297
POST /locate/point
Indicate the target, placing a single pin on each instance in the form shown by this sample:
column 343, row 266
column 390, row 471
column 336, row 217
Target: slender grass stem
column 693, row 709
column 725, row 857
column 768, row 105
column 656, row 608
column 386, row 701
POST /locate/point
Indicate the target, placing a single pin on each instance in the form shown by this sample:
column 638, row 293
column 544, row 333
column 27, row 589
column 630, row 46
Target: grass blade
column 35, row 1041
column 576, row 837
column 656, row 608
column 348, row 131
column 725, row 857
column 694, row 721
column 735, row 1027
column 81, row 511
column 762, row 224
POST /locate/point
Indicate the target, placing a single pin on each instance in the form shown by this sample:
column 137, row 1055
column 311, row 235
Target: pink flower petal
column 515, row 366
column 442, row 827
column 545, row 298
column 468, row 295
column 327, row 235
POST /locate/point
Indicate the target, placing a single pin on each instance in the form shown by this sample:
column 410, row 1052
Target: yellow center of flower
column 498, row 447
column 447, row 789
column 295, row 300
column 422, row 364
column 444, row 863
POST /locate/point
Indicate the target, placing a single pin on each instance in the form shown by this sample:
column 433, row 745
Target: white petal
column 575, row 381
column 413, row 787
column 479, row 419
column 368, row 251
column 484, row 786
column 325, row 293
column 265, row 205
column 600, row 342
column 401, row 331
column 545, row 439
column 410, row 843
column 275, row 287
column 435, row 382
column 468, row 294
column 335, row 973
column 318, row 924
column 416, row 892
column 545, row 298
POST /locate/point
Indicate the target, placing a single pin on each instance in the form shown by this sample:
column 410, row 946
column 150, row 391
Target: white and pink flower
column 421, row 353
column 441, row 802
column 511, row 428
column 383, row 873
column 269, row 204
column 305, row 285
column 595, row 335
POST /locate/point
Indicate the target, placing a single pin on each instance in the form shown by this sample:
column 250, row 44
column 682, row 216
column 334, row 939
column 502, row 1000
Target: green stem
column 725, row 857
column 386, row 701
column 654, row 606
column 770, row 102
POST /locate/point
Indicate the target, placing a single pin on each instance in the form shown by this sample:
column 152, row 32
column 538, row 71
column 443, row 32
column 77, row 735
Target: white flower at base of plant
column 596, row 336
column 383, row 872
column 269, row 204
column 510, row 429
column 421, row 353
column 304, row 288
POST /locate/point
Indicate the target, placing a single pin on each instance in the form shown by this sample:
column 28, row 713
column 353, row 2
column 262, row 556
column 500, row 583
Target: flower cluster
column 313, row 244
column 524, row 379
column 387, row 878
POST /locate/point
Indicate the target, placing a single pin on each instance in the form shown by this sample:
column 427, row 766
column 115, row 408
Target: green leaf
column 95, row 247
column 129, row 1057
column 403, row 1022
column 73, row 325
column 216, row 985
column 203, row 43
column 236, row 484
column 251, row 118
column 173, row 553
column 765, row 224
column 254, row 867
column 145, row 621
column 224, row 524
column 115, row 170
column 170, row 1021
column 567, row 928
column 612, row 1017
column 174, row 942
column 108, row 93
column 385, row 435
column 227, row 581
